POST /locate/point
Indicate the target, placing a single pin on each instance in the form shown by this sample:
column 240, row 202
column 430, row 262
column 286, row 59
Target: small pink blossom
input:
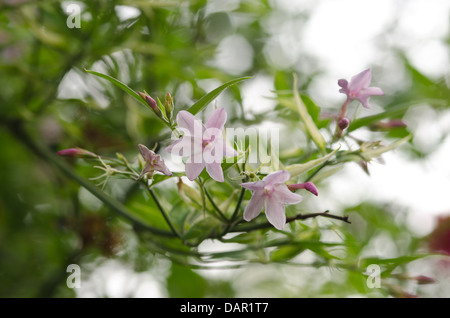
column 204, row 145
column 272, row 193
column 358, row 88
column 153, row 162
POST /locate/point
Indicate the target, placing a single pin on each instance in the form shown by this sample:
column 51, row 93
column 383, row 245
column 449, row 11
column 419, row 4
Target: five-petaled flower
column 358, row 88
column 153, row 162
column 204, row 145
column 272, row 193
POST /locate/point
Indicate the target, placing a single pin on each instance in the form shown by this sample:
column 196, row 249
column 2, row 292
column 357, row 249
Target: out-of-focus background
column 47, row 221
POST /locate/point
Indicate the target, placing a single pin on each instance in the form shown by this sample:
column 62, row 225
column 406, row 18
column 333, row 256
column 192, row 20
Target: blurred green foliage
column 48, row 102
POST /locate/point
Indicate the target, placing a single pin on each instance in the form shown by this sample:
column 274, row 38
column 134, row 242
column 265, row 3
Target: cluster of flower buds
column 163, row 111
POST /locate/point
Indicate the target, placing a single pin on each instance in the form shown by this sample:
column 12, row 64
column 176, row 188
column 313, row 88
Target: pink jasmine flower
column 358, row 88
column 153, row 162
column 272, row 193
column 204, row 145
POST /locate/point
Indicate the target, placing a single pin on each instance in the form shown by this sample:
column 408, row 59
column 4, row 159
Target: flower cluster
column 204, row 147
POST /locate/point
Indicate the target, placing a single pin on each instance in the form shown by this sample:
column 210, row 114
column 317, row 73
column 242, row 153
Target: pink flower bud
column 150, row 102
column 309, row 186
column 343, row 123
column 395, row 123
column 76, row 152
column 423, row 280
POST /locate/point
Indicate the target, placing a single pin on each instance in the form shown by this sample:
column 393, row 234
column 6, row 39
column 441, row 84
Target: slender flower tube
column 272, row 193
column 153, row 162
column 204, row 145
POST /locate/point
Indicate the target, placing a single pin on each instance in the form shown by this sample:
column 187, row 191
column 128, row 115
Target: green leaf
column 208, row 98
column 183, row 282
column 373, row 150
column 287, row 252
column 299, row 168
column 202, row 229
column 121, row 85
column 311, row 127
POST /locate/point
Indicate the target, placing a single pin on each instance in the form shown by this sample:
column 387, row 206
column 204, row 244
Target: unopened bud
column 424, row 280
column 343, row 123
column 150, row 102
column 168, row 104
column 395, row 123
column 76, row 152
column 309, row 186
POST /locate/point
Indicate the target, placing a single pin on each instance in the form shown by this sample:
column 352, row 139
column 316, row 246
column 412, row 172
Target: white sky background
column 341, row 35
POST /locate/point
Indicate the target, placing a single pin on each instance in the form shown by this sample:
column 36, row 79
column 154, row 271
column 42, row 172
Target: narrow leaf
column 299, row 168
column 307, row 119
column 208, row 98
column 372, row 152
column 120, row 85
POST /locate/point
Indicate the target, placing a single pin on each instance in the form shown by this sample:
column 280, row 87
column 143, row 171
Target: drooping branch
column 323, row 214
column 252, row 227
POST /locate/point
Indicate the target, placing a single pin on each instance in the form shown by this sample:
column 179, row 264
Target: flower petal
column 254, row 186
column 161, row 167
column 214, row 169
column 283, row 195
column 193, row 169
column 187, row 122
column 277, row 177
column 185, row 146
column 254, row 206
column 146, row 153
column 361, row 80
column 371, row 91
column 217, row 119
column 275, row 213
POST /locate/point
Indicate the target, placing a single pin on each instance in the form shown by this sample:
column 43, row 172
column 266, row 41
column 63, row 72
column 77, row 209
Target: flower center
column 206, row 142
column 268, row 190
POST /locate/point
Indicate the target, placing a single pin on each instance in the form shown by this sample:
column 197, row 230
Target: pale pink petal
column 283, row 195
column 217, row 119
column 360, row 81
column 364, row 101
column 344, row 84
column 161, row 167
column 146, row 153
column 185, row 146
column 215, row 171
column 254, row 206
column 275, row 213
column 193, row 170
column 171, row 147
column 187, row 121
column 371, row 91
column 277, row 177
column 254, row 186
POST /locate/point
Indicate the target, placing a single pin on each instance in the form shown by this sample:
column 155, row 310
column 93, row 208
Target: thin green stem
column 202, row 194
column 326, row 163
column 224, row 218
column 161, row 209
column 236, row 210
